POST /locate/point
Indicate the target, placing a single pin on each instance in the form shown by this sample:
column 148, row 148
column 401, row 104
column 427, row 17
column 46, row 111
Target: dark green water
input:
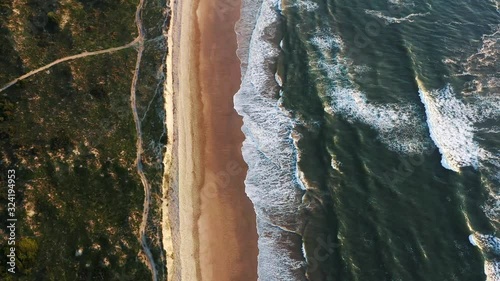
column 381, row 92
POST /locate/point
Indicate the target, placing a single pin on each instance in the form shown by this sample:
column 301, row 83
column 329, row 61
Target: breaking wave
column 400, row 126
column 490, row 245
column 453, row 123
column 272, row 181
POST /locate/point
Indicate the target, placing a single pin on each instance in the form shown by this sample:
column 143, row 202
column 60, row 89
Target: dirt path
column 69, row 58
column 139, row 150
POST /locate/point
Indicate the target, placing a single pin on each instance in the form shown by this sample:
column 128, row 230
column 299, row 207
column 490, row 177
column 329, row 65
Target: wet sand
column 217, row 232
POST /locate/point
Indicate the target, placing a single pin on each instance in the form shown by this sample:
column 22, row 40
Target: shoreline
column 215, row 229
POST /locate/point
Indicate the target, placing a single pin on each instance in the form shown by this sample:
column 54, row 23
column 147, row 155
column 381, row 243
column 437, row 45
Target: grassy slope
column 69, row 133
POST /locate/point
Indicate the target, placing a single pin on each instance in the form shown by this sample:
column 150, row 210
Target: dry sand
column 217, row 232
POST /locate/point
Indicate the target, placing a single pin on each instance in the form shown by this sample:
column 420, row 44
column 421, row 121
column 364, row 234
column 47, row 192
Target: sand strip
column 217, row 232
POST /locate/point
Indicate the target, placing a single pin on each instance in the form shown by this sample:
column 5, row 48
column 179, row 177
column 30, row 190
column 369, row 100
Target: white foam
column 391, row 20
column 299, row 174
column 490, row 245
column 278, row 79
column 399, row 125
column 335, row 164
column 401, row 3
column 489, row 181
column 327, row 42
column 492, row 270
column 484, row 65
column 450, row 129
column 472, row 240
column 487, row 242
column 483, row 103
column 451, row 124
column 307, row 5
column 496, row 3
column 492, row 208
column 304, row 252
column 272, row 181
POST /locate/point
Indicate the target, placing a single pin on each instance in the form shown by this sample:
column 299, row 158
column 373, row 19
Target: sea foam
column 401, row 3
column 272, row 181
column 392, row 20
column 305, row 5
column 450, row 128
column 452, row 125
column 484, row 64
column 490, row 245
column 399, row 125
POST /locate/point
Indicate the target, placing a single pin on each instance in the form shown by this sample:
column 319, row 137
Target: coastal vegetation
column 69, row 133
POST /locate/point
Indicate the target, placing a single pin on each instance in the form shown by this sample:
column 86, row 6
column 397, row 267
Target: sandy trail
column 69, row 58
column 139, row 148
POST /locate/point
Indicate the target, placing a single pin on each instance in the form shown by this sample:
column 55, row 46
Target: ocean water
column 373, row 138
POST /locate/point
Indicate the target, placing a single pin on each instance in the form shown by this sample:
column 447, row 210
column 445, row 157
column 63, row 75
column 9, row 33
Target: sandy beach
column 216, row 236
